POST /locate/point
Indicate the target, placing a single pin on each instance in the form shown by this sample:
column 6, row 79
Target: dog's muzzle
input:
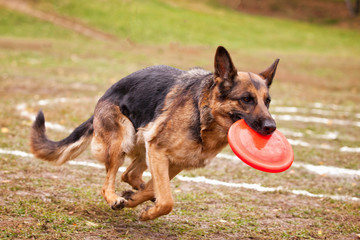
column 268, row 127
column 262, row 126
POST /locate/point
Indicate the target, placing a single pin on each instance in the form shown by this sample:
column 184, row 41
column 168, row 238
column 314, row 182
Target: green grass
column 159, row 22
column 13, row 24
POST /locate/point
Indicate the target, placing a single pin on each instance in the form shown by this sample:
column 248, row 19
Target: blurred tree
column 354, row 9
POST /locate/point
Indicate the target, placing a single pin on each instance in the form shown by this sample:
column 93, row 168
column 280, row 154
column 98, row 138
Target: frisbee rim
column 250, row 159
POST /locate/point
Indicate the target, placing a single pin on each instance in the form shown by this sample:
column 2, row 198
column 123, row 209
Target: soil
column 318, row 11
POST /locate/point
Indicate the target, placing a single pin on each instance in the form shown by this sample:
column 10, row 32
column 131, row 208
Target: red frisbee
column 272, row 153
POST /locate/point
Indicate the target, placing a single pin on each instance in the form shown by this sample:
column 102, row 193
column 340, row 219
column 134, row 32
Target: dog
column 165, row 120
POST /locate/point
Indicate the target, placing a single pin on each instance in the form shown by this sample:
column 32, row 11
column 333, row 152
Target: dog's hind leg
column 108, row 189
column 112, row 156
column 113, row 138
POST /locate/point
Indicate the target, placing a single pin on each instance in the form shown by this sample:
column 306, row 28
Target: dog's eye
column 267, row 102
column 247, row 99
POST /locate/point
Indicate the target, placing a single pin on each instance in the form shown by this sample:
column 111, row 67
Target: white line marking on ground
column 349, row 149
column 296, row 142
column 328, row 135
column 260, row 188
column 328, row 170
column 256, row 187
column 45, row 102
column 334, row 107
column 317, row 169
column 100, row 166
column 311, row 119
column 331, row 106
column 16, row 153
column 202, row 179
column 282, row 109
column 50, row 125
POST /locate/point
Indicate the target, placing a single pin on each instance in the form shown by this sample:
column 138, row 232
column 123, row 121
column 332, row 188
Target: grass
column 179, row 23
column 13, row 24
column 42, row 61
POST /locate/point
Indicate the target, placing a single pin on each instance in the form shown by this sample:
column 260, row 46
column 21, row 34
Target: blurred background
column 62, row 55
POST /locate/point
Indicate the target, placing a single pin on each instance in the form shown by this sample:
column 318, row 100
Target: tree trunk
column 353, row 9
column 357, row 7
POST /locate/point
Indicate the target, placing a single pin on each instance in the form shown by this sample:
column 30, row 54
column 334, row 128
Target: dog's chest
column 191, row 154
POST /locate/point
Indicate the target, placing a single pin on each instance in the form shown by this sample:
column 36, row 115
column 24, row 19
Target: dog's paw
column 144, row 215
column 127, row 194
column 118, row 204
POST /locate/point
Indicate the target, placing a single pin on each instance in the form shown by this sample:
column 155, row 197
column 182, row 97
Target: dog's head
column 242, row 95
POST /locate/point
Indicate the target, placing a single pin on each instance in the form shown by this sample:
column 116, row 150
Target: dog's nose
column 269, row 126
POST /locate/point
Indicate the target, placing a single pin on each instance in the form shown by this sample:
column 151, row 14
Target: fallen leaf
column 4, row 130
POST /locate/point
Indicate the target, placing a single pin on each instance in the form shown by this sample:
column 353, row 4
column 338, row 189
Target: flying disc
column 272, row 153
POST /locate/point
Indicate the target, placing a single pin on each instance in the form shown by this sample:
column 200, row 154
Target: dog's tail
column 63, row 150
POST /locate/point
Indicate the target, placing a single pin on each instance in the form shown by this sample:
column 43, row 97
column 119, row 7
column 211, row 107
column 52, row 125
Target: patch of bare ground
column 318, row 11
column 25, row 44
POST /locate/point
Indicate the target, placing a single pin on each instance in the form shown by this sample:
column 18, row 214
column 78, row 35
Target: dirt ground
column 317, row 11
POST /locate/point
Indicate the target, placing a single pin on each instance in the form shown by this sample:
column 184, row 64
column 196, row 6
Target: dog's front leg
column 146, row 193
column 159, row 167
column 162, row 173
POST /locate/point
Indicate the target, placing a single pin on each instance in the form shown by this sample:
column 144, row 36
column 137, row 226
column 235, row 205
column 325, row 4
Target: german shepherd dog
column 164, row 119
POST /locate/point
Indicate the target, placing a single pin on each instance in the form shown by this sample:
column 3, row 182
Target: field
column 61, row 56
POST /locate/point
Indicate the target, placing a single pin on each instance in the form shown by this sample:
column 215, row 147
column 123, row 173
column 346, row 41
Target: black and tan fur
column 165, row 120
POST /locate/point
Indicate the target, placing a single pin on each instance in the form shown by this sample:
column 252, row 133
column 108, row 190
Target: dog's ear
column 269, row 73
column 225, row 70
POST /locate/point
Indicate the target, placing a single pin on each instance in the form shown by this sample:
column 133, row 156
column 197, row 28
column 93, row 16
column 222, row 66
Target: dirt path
column 318, row 11
column 72, row 24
